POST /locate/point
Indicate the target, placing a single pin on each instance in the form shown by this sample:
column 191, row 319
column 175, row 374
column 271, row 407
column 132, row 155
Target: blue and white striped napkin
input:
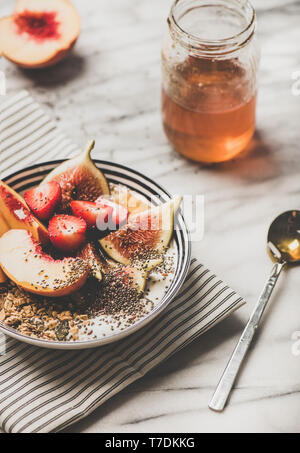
column 45, row 391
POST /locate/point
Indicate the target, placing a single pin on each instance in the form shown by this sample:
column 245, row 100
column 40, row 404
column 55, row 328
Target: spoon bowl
column 284, row 237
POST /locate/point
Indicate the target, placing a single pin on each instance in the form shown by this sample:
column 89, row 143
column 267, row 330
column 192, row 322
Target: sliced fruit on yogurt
column 67, row 233
column 3, row 229
column 79, row 179
column 17, row 215
column 43, row 200
column 119, row 214
column 147, row 234
column 136, row 276
column 24, row 262
column 90, row 254
column 94, row 213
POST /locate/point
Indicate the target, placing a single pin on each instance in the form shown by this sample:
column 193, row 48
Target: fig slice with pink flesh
column 127, row 281
column 96, row 262
column 146, row 235
column 79, row 179
column 137, row 276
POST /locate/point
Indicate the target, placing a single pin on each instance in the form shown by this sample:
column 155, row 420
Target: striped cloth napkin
column 45, row 391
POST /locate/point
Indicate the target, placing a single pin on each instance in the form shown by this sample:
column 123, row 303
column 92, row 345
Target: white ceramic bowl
column 117, row 174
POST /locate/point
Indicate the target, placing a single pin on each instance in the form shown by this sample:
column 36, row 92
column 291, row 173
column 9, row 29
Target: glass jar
column 210, row 61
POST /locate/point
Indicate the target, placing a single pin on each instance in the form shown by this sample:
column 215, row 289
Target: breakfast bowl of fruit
column 90, row 252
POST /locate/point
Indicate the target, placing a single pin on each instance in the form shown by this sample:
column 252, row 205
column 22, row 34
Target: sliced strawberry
column 93, row 213
column 44, row 199
column 67, row 233
column 119, row 216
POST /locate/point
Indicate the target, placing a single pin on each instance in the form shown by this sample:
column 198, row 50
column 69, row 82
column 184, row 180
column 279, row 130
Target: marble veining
column 109, row 89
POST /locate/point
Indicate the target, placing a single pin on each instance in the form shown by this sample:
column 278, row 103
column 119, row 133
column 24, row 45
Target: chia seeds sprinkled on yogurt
column 99, row 309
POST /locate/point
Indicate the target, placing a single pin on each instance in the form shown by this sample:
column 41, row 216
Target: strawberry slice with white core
column 119, row 216
column 93, row 213
column 43, row 200
column 67, row 233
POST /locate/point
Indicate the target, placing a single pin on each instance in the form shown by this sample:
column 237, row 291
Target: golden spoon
column 284, row 246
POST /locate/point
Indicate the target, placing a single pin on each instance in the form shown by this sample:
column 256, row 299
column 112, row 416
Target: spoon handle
column 227, row 380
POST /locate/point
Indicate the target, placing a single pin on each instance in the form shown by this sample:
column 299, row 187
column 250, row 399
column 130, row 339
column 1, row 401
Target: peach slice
column 3, row 229
column 3, row 226
column 3, row 277
column 24, row 262
column 39, row 33
column 18, row 216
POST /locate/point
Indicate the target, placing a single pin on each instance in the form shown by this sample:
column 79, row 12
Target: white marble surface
column 110, row 89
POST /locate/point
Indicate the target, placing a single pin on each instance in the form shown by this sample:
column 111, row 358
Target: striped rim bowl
column 116, row 174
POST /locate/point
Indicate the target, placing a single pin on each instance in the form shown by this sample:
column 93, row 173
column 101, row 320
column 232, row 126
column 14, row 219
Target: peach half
column 24, row 262
column 39, row 33
column 3, row 229
column 17, row 215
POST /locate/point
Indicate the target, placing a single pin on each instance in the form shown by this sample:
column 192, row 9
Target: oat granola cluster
column 40, row 317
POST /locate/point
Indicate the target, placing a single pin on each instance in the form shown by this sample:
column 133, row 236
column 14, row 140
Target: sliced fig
column 136, row 276
column 79, row 179
column 125, row 283
column 146, row 235
column 90, row 254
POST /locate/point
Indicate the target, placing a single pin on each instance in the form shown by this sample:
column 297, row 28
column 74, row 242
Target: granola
column 40, row 317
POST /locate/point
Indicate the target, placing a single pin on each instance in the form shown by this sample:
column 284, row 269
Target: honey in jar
column 209, row 86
